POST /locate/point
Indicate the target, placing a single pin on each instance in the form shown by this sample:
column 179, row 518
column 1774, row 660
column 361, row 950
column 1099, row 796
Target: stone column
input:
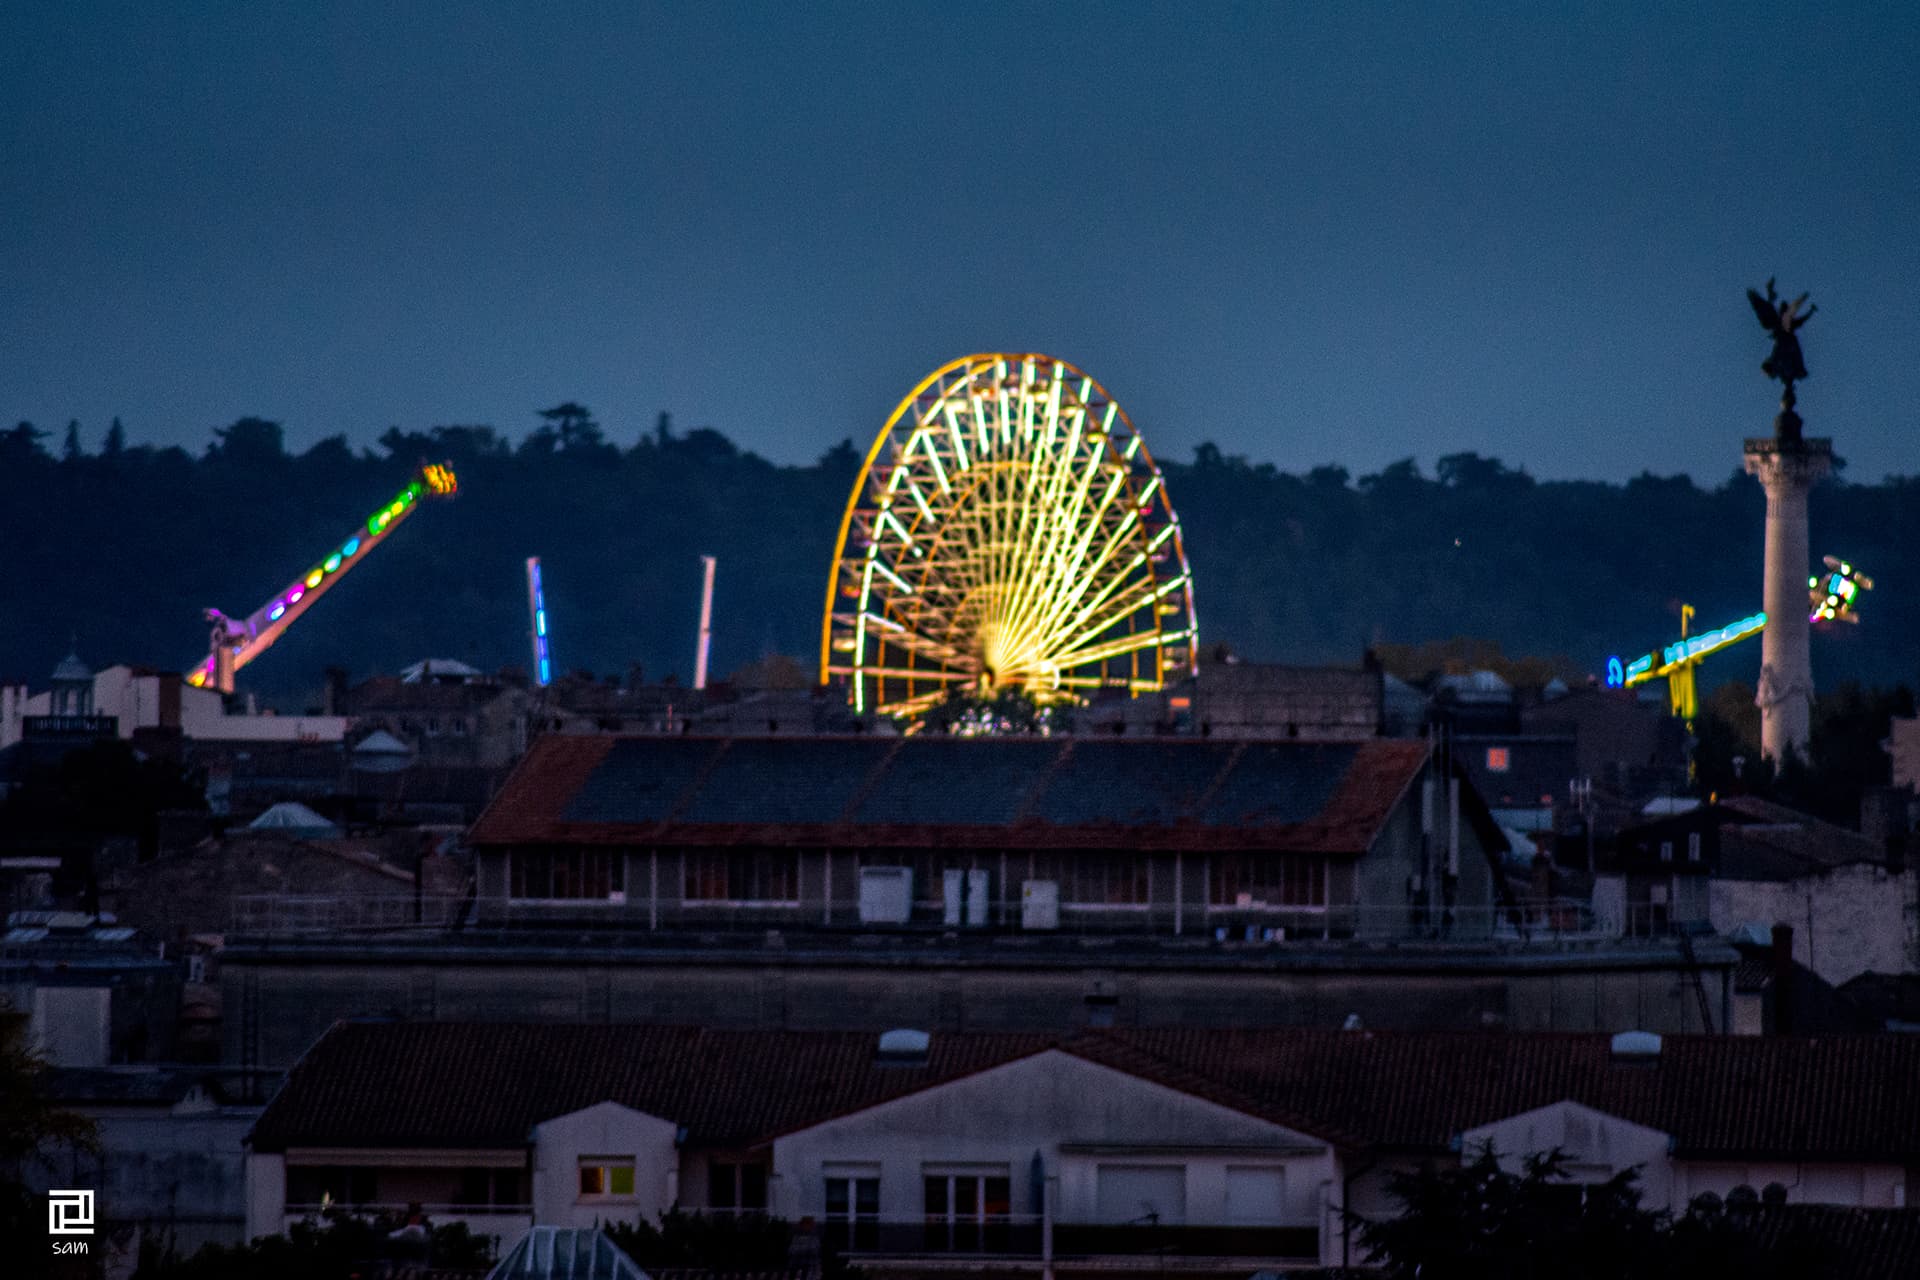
column 1786, row 466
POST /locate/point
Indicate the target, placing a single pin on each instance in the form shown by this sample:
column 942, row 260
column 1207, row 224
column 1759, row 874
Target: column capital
column 1794, row 463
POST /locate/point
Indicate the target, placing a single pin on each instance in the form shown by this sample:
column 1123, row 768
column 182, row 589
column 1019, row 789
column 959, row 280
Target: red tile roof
column 443, row 1085
column 1064, row 792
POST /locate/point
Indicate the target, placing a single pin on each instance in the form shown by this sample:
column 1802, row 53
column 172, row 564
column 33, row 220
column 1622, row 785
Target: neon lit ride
column 1833, row 597
column 537, row 612
column 237, row 641
column 1008, row 530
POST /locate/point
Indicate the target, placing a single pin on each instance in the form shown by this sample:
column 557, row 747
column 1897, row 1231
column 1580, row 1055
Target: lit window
column 1499, row 759
column 602, row 1178
column 1666, row 851
column 1693, row 846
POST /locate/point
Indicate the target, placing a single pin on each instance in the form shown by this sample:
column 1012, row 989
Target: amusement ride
column 1008, row 530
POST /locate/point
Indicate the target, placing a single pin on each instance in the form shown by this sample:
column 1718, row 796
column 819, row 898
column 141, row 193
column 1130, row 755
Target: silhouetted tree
column 31, row 1127
column 20, row 445
column 116, row 442
column 70, row 450
column 336, row 1246
column 1475, row 1220
column 249, row 442
column 573, row 426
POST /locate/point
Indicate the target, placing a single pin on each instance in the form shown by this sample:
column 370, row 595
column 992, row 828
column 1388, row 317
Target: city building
column 1189, row 1151
column 122, row 700
column 1853, row 909
column 1014, row 883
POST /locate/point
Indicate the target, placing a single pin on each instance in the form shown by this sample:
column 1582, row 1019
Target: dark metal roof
column 428, row 1085
column 1033, row 792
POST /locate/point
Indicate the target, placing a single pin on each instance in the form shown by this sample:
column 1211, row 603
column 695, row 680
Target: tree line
column 117, row 546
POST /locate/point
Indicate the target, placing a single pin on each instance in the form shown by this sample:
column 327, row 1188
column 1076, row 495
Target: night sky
column 1309, row 233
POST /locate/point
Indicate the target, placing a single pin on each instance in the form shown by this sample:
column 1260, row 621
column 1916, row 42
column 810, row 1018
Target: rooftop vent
column 903, row 1047
column 1637, row 1046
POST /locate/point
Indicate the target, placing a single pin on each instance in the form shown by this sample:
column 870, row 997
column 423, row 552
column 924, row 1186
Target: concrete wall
column 1653, row 999
column 610, row 1130
column 1852, row 920
column 266, row 1189
column 71, row 1026
column 1905, row 749
column 295, row 1002
column 998, row 1119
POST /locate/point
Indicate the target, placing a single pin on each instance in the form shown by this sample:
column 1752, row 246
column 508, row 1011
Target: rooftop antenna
column 537, row 618
column 706, row 625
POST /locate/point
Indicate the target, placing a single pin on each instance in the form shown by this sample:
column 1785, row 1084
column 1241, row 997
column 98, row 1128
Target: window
column 967, row 1212
column 1097, row 880
column 1693, row 846
column 329, row 1184
column 1267, row 880
column 1499, row 759
column 606, row 1178
column 488, row 1188
column 1666, row 851
column 853, row 1213
column 736, row 1188
column 572, row 874
column 764, row 877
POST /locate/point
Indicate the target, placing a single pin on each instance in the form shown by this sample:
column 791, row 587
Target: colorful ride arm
column 237, row 641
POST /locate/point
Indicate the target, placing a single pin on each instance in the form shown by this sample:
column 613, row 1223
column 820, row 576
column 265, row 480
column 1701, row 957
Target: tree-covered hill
column 118, row 548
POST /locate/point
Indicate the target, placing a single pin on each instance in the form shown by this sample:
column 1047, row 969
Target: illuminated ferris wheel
column 1008, row 529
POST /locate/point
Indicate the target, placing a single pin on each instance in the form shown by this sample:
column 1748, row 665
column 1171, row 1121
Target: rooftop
column 481, row 1085
column 958, row 792
column 1760, row 840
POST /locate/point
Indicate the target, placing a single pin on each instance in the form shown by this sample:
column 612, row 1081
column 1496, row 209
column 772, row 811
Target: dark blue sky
column 1311, row 233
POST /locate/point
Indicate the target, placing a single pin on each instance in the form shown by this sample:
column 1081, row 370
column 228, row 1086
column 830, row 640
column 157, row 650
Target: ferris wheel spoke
column 1127, row 604
column 1119, row 647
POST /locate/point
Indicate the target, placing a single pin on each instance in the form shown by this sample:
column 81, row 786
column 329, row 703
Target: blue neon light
column 1643, row 663
column 543, row 662
column 1707, row 641
column 353, row 545
column 1616, row 675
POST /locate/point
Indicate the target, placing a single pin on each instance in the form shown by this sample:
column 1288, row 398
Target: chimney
column 334, row 695
column 1783, row 979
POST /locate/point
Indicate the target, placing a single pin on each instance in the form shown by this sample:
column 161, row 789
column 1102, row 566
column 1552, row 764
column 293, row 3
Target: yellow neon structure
column 1676, row 663
column 1008, row 529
